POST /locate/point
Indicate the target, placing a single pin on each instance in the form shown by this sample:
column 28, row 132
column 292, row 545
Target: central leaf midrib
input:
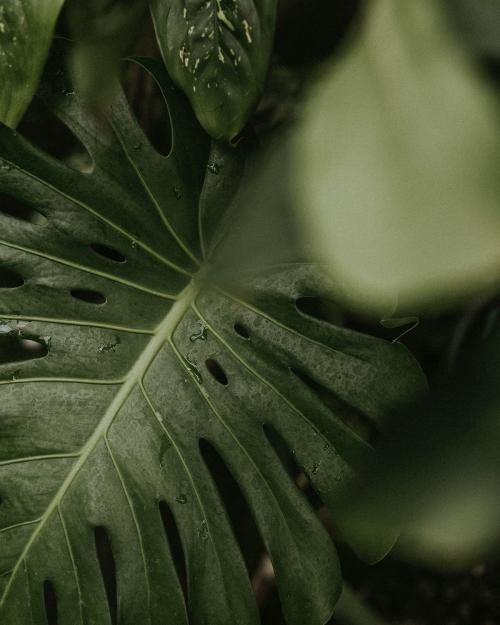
column 135, row 376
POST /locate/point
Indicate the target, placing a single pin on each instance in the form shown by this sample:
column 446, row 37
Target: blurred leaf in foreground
column 397, row 162
column 438, row 477
column 26, row 29
column 103, row 30
column 263, row 233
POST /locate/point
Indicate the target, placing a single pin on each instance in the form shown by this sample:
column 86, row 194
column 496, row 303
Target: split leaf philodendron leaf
column 146, row 362
column 396, row 163
column 26, row 29
column 218, row 52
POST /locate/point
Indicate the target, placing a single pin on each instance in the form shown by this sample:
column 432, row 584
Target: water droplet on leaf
column 203, row 531
column 109, row 347
column 193, row 368
column 201, row 334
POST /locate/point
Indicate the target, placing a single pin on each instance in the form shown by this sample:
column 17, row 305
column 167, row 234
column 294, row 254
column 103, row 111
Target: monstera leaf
column 145, row 362
column 218, row 52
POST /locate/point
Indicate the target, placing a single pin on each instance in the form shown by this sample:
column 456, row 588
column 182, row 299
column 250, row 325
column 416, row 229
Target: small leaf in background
column 397, row 161
column 218, row 52
column 26, row 29
column 103, row 30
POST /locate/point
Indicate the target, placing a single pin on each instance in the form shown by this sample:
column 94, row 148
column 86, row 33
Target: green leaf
column 146, row 357
column 218, row 52
column 26, row 29
column 435, row 478
column 396, row 163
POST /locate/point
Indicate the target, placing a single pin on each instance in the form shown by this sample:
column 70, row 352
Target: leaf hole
column 37, row 349
column 16, row 349
column 108, row 252
column 11, row 207
column 10, row 279
column 88, row 296
column 149, row 106
column 291, row 466
column 353, row 418
column 320, row 308
column 240, row 516
column 216, row 371
column 108, row 570
column 271, row 611
column 175, row 544
column 48, row 133
column 242, row 331
column 50, row 601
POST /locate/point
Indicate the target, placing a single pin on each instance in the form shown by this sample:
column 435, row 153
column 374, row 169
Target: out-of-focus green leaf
column 397, row 163
column 352, row 610
column 437, row 476
column 103, row 29
column 218, row 52
column 26, row 29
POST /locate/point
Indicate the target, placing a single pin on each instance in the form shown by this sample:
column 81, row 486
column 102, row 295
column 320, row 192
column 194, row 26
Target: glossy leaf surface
column 218, row 52
column 26, row 29
column 144, row 358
